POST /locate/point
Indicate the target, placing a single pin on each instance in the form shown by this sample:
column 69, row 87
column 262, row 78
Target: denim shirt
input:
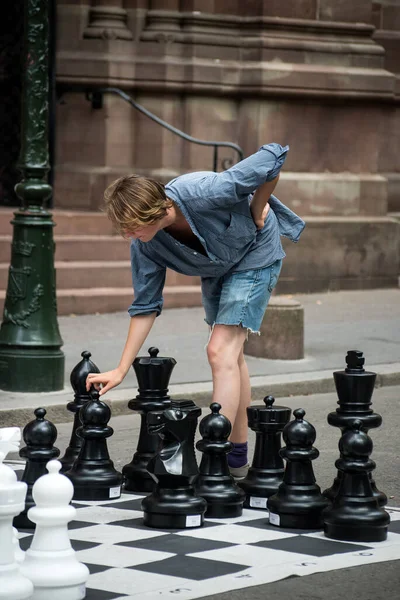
column 217, row 208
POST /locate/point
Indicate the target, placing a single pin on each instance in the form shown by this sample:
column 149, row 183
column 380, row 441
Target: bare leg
column 223, row 350
column 240, row 429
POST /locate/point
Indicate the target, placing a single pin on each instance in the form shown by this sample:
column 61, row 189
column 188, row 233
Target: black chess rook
column 153, row 373
column 354, row 387
column 298, row 503
column 267, row 468
column 93, row 474
column 214, row 482
column 39, row 436
column 355, row 514
column 174, row 504
column 78, row 382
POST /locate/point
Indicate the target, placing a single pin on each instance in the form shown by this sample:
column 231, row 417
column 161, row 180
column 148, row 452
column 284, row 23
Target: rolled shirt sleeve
column 148, row 279
column 246, row 176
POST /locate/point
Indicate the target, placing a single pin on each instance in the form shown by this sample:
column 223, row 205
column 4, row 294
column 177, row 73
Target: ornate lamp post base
column 30, row 343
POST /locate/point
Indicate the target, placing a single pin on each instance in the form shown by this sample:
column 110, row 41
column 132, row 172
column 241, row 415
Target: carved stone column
column 107, row 21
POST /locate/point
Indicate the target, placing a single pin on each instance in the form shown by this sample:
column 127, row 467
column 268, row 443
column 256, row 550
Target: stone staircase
column 93, row 266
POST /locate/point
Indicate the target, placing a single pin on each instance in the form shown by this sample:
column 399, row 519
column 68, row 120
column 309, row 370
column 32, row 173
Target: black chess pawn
column 298, row 502
column 355, row 514
column 39, row 436
column 78, row 382
column 174, row 504
column 266, row 472
column 93, row 474
column 214, row 482
column 153, row 374
column 354, row 387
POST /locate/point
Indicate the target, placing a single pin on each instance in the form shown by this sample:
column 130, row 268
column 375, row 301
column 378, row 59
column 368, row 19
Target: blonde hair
column 134, row 201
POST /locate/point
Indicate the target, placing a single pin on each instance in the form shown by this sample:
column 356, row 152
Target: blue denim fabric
column 216, row 205
column 239, row 298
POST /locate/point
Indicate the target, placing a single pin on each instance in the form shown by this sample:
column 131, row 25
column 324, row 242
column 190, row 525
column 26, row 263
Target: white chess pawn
column 13, row 585
column 51, row 563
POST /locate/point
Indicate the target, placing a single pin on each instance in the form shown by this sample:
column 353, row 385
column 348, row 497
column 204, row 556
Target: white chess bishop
column 51, row 563
column 13, row 585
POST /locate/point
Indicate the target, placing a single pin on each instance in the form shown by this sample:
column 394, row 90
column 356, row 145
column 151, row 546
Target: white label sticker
column 258, row 502
column 274, row 519
column 193, row 520
column 115, row 492
column 82, row 592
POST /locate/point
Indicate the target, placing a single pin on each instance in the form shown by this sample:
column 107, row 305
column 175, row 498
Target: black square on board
column 394, row 526
column 92, row 594
column 138, row 524
column 302, row 544
column 189, row 567
column 135, row 504
column 25, row 542
column 97, row 568
column 80, row 524
column 264, row 524
column 176, row 544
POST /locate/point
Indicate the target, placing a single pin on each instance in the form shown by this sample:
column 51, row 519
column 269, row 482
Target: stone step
column 106, row 300
column 68, row 222
column 79, row 247
column 89, row 274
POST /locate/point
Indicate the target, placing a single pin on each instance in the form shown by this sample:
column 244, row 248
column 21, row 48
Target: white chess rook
column 13, row 585
column 51, row 563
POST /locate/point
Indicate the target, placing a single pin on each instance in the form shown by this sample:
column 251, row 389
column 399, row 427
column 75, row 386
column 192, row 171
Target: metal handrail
column 96, row 97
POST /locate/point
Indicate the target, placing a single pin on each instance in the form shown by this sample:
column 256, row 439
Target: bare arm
column 259, row 203
column 139, row 329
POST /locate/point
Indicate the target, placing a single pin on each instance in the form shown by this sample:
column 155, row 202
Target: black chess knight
column 354, row 388
column 39, row 436
column 355, row 514
column 93, row 474
column 78, row 382
column 266, row 472
column 214, row 482
column 153, row 374
column 298, row 503
column 174, row 503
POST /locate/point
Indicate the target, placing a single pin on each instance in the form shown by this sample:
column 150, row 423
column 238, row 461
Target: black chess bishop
column 298, row 503
column 78, row 382
column 214, row 482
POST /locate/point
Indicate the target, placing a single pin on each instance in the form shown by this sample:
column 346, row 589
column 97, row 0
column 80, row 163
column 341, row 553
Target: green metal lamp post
column 31, row 359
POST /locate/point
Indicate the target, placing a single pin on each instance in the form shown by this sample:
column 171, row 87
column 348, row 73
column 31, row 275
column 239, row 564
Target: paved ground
column 334, row 323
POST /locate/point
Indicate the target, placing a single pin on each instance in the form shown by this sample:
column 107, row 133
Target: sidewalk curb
column 279, row 386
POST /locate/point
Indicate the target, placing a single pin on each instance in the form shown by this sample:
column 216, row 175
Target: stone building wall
column 319, row 75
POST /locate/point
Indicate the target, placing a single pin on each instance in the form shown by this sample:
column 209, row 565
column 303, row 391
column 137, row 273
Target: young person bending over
column 226, row 228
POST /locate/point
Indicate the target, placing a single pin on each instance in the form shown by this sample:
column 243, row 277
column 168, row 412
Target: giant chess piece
column 214, row 482
column 39, row 436
column 354, row 388
column 13, row 585
column 174, row 503
column 298, row 503
column 355, row 515
column 266, row 472
column 93, row 474
column 78, row 382
column 51, row 563
column 153, row 374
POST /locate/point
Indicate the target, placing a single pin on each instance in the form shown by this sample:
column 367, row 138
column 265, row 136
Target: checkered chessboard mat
column 130, row 561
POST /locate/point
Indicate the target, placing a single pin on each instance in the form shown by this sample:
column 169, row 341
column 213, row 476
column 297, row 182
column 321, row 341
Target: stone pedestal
column 282, row 331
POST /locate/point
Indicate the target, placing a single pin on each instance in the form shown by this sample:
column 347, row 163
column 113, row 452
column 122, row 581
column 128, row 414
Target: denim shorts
column 239, row 298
